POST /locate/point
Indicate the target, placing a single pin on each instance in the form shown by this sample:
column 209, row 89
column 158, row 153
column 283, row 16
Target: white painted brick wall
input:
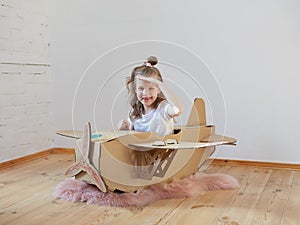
column 26, row 120
column 24, row 33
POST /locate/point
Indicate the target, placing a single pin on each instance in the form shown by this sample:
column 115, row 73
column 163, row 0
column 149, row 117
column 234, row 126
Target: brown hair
column 147, row 70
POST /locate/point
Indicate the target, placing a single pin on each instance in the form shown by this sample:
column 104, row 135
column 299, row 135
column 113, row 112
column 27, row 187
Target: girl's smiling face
column 146, row 92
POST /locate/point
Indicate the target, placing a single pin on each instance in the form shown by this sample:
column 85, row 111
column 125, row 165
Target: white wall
column 251, row 47
column 26, row 120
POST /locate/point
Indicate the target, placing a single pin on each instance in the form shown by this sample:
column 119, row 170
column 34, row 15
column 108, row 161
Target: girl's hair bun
column 152, row 60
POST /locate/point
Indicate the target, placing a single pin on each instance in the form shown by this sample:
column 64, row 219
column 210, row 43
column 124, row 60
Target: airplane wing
column 71, row 133
column 95, row 136
column 218, row 137
column 146, row 146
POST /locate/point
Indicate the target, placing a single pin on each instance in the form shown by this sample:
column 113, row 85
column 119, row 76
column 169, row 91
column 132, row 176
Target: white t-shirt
column 157, row 120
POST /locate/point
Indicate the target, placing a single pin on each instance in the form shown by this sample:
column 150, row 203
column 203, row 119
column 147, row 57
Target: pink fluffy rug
column 194, row 185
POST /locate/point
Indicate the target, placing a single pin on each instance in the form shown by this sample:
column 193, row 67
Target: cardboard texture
column 129, row 160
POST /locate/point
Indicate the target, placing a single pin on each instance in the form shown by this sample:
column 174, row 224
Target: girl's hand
column 171, row 97
column 123, row 125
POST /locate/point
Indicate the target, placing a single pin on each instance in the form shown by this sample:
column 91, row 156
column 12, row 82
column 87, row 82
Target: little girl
column 153, row 105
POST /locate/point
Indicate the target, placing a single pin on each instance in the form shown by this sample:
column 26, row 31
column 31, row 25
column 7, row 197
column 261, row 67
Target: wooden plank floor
column 266, row 196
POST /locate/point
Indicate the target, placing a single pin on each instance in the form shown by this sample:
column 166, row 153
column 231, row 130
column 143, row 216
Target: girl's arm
column 171, row 97
column 124, row 125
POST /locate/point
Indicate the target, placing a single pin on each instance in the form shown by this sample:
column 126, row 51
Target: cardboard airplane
column 130, row 160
